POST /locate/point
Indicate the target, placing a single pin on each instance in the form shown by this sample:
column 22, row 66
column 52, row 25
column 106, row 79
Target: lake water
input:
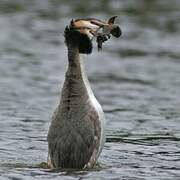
column 136, row 78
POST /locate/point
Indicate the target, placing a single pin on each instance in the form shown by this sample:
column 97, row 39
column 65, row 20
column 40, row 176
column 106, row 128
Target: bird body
column 76, row 135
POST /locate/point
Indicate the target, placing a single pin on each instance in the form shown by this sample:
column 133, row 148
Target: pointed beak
column 86, row 26
column 97, row 28
column 91, row 26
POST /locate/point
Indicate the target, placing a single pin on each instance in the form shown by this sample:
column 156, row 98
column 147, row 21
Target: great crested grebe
column 76, row 135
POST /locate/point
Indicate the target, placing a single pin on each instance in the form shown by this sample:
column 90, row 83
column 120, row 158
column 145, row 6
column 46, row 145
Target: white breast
column 97, row 106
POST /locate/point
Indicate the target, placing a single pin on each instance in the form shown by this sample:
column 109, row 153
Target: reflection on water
column 136, row 79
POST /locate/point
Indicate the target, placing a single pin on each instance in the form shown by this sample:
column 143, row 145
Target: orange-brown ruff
column 76, row 134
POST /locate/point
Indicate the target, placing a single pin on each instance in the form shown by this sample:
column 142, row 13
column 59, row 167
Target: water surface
column 135, row 78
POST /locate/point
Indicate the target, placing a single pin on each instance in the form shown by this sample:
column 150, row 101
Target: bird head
column 81, row 32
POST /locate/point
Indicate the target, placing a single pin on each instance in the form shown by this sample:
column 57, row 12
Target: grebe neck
column 76, row 84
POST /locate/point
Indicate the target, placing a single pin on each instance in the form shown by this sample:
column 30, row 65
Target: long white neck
column 76, row 85
column 84, row 76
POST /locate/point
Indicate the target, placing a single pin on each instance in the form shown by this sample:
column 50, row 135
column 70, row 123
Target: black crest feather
column 116, row 31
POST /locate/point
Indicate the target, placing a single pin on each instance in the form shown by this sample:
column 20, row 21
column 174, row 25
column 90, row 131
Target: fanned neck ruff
column 73, row 38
